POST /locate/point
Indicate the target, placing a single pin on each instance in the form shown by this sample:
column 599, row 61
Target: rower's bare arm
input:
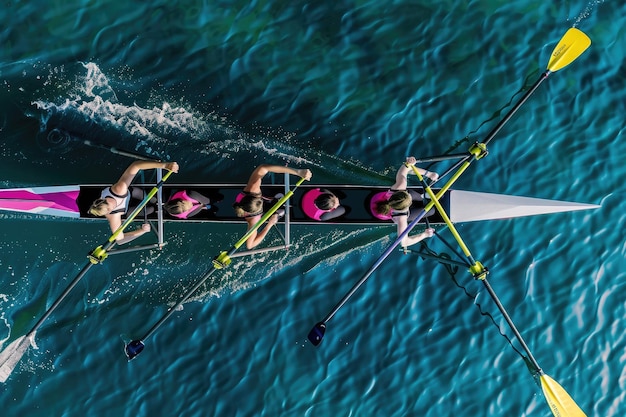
column 130, row 236
column 115, row 221
column 258, row 236
column 401, row 182
column 412, row 240
column 254, row 182
column 279, row 169
column 121, row 186
column 432, row 175
column 402, row 224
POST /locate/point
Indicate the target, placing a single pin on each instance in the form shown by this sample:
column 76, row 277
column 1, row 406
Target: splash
column 97, row 84
column 587, row 11
column 93, row 101
column 6, row 323
column 174, row 129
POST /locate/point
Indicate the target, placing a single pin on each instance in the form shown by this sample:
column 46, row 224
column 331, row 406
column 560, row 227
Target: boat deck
column 356, row 200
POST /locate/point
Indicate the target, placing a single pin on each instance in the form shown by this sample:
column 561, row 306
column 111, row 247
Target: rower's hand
column 411, row 160
column 171, row 166
column 432, row 175
column 145, row 227
column 272, row 220
column 305, row 173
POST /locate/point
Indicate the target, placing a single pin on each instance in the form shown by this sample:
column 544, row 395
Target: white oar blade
column 470, row 206
column 560, row 402
column 10, row 356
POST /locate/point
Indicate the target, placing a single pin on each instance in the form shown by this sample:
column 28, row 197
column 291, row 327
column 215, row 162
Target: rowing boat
column 452, row 206
column 73, row 201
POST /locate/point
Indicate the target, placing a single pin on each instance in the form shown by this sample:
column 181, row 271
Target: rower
column 249, row 203
column 114, row 200
column 395, row 203
column 321, row 205
column 186, row 203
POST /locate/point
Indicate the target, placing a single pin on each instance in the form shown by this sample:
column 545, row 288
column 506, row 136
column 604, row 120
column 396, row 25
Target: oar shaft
column 515, row 108
column 373, row 268
column 104, row 248
column 227, row 256
column 440, row 158
column 497, row 127
column 58, row 301
column 490, row 290
column 516, row 332
column 117, row 151
column 475, row 154
column 479, row 267
column 172, row 309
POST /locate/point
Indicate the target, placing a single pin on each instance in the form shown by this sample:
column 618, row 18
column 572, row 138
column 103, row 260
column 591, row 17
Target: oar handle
column 373, row 268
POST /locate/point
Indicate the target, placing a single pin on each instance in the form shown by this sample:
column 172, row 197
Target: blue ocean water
column 348, row 89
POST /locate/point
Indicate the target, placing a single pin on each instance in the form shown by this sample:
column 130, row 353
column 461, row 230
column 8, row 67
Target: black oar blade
column 317, row 333
column 134, row 348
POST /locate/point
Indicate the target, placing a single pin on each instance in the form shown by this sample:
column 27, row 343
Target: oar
column 10, row 356
column 117, row 151
column 316, row 334
column 560, row 402
column 558, row 399
column 570, row 47
column 136, row 346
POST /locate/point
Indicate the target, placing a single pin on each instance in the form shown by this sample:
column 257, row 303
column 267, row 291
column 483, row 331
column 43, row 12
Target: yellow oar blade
column 570, row 47
column 560, row 402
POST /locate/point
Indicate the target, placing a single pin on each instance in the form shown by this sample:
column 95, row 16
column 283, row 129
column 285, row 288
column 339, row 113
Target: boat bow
column 470, row 206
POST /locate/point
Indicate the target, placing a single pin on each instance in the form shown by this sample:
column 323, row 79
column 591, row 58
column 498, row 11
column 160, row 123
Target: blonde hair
column 99, row 207
column 175, row 206
column 249, row 205
column 399, row 200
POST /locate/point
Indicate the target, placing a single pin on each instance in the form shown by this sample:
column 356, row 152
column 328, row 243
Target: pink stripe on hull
column 26, row 200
